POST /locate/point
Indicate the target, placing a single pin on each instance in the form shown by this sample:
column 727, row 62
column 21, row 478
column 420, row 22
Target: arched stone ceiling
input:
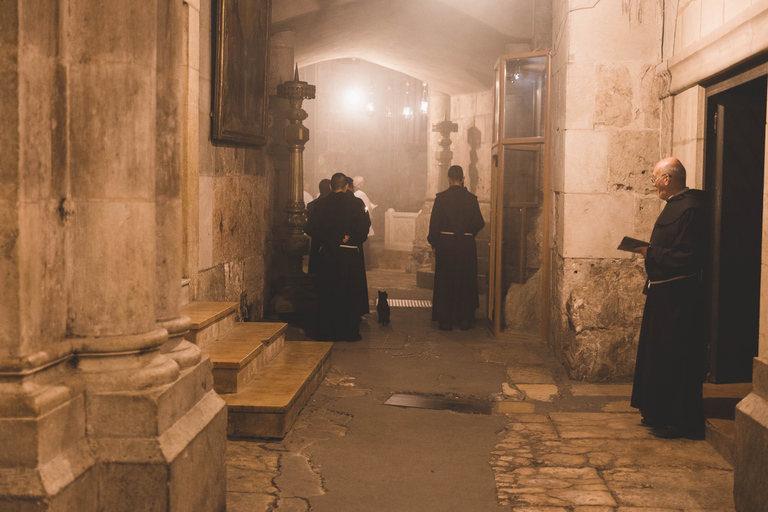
column 452, row 45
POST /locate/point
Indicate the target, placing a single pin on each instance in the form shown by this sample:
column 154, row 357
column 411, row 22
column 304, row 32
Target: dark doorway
column 734, row 172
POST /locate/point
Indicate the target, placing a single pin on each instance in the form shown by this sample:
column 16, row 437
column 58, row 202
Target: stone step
column 210, row 320
column 242, row 352
column 270, row 403
column 720, row 435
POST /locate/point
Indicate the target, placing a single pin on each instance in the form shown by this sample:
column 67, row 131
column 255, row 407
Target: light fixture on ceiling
column 516, row 73
column 424, row 108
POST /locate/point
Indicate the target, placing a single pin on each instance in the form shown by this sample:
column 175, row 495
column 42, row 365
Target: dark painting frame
column 242, row 62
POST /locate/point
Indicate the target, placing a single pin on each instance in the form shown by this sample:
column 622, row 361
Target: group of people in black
column 338, row 223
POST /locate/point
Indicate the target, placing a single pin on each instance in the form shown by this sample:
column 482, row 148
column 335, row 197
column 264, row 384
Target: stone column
column 168, row 160
column 422, row 261
column 158, row 433
column 45, row 460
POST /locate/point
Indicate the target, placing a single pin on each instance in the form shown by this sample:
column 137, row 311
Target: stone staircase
column 265, row 380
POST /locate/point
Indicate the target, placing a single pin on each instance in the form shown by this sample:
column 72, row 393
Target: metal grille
column 407, row 303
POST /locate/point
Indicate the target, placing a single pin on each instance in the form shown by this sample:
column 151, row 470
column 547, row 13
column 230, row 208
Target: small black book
column 630, row 244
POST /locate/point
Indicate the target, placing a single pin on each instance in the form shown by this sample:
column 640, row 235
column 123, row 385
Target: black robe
column 671, row 354
column 455, row 221
column 338, row 280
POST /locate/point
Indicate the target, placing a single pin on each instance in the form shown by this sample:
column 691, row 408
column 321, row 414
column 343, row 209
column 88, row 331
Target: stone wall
column 606, row 133
column 230, row 198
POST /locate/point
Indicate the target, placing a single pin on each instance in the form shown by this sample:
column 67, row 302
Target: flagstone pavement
column 550, row 445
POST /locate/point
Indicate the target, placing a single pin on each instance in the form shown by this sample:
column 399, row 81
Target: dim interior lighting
column 424, row 108
column 516, row 73
column 407, row 110
column 354, row 98
column 369, row 107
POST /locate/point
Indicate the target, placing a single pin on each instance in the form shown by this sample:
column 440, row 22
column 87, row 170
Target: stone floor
column 551, row 444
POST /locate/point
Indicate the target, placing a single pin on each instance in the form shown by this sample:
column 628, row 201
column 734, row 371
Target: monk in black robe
column 360, row 293
column 339, row 224
column 671, row 354
column 325, row 189
column 455, row 222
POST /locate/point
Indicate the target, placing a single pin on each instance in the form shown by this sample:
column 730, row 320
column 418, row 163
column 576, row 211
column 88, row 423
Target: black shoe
column 465, row 325
column 356, row 337
column 649, row 422
column 445, row 326
column 672, row 432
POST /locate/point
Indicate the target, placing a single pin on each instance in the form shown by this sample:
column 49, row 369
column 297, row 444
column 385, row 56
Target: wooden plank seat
column 210, row 320
column 242, row 352
column 269, row 404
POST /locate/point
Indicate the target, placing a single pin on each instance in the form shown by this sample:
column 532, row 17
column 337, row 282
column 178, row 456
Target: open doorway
column 735, row 167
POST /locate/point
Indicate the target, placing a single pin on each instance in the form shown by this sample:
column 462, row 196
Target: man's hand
column 642, row 251
column 345, row 239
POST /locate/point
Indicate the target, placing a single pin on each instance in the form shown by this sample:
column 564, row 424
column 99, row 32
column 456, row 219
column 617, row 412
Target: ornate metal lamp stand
column 296, row 293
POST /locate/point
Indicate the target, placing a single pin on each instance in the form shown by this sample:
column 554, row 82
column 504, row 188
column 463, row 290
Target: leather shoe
column 445, row 326
column 465, row 325
column 672, row 432
column 648, row 422
column 356, row 337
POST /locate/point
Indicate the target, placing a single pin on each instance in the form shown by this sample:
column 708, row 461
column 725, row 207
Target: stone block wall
column 230, row 190
column 606, row 140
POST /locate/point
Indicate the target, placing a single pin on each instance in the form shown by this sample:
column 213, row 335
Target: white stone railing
column 399, row 230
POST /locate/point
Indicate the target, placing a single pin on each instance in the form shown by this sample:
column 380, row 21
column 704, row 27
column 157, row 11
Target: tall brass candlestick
column 296, row 293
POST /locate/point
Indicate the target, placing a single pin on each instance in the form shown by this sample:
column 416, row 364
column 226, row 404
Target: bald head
column 668, row 177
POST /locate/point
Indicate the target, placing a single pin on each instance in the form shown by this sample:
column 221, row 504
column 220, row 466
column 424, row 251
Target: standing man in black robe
column 455, row 222
column 671, row 354
column 325, row 190
column 339, row 224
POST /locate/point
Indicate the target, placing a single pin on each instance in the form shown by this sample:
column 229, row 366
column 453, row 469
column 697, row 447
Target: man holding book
column 671, row 354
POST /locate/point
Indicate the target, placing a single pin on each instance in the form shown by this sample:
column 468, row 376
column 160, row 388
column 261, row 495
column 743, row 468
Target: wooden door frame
column 495, row 298
column 739, row 76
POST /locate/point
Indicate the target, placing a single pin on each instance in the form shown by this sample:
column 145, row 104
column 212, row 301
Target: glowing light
column 407, row 113
column 370, row 109
column 354, row 98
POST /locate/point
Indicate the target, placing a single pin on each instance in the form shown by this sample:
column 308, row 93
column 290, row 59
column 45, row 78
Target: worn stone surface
column 613, row 97
column 522, row 307
column 580, row 450
column 604, row 308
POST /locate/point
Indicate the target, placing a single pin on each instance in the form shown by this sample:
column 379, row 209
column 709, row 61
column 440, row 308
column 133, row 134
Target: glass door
column 520, row 197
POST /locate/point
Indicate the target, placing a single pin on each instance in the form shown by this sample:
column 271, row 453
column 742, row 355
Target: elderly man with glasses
column 671, row 354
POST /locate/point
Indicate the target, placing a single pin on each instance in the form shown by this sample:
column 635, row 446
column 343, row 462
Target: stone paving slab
column 530, row 375
column 672, row 488
column 540, row 392
column 601, row 389
column 587, row 424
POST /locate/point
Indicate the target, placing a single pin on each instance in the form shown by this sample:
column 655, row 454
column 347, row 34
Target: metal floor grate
column 465, row 405
column 407, row 303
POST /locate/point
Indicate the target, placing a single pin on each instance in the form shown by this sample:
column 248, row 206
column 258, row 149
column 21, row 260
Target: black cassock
column 671, row 354
column 339, row 277
column 455, row 221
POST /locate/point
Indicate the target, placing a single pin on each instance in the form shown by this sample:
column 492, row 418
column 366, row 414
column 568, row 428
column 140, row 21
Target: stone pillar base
column 166, row 449
column 750, row 458
column 65, row 447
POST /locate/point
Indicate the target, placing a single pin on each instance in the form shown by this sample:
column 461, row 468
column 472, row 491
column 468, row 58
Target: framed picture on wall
column 242, row 62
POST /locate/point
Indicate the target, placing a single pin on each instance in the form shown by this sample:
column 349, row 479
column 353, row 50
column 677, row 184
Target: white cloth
column 368, row 206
